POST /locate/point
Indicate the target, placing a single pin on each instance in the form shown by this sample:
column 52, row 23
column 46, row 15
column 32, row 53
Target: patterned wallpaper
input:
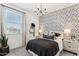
column 67, row 18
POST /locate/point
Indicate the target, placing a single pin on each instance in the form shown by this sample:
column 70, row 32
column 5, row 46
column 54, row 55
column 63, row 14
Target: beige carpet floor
column 22, row 52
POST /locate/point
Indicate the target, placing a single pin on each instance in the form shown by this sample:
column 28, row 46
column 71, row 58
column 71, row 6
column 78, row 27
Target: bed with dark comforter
column 43, row 47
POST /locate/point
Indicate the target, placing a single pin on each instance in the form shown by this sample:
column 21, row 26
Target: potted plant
column 4, row 41
column 4, row 46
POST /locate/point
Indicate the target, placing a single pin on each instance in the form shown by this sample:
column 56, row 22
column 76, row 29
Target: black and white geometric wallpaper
column 67, row 18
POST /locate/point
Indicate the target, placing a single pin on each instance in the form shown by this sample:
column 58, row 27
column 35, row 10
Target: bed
column 44, row 47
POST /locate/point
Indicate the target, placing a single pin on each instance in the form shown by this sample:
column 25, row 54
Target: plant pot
column 4, row 50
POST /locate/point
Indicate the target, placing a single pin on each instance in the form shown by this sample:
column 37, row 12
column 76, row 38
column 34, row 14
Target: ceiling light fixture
column 40, row 11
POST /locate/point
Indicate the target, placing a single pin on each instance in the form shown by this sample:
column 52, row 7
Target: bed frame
column 58, row 40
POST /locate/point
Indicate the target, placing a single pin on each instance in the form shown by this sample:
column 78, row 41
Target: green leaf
column 3, row 40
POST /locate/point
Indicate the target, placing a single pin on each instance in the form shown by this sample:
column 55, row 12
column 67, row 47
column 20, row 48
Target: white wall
column 14, row 41
column 17, row 40
column 31, row 18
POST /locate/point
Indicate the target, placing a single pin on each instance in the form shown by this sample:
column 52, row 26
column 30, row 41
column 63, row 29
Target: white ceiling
column 50, row 6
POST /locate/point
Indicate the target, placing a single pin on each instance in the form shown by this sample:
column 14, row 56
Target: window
column 13, row 21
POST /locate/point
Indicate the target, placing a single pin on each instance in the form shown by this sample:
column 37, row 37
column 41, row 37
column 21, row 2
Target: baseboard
column 70, row 52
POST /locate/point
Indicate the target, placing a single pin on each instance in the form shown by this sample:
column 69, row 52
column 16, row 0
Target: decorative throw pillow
column 48, row 36
column 57, row 34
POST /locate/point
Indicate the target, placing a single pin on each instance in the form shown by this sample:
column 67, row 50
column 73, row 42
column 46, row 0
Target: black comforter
column 43, row 47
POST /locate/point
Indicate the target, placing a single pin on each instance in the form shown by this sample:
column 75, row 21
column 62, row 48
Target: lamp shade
column 40, row 30
column 67, row 31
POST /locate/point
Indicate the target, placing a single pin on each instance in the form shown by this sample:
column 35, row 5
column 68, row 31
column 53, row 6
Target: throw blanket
column 43, row 47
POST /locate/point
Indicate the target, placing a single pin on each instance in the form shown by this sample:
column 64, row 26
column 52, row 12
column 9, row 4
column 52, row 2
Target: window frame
column 5, row 20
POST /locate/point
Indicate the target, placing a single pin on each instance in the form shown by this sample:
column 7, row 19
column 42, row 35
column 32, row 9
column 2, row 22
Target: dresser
column 71, row 46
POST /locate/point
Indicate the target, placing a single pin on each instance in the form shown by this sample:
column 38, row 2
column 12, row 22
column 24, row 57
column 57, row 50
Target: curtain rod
column 12, row 8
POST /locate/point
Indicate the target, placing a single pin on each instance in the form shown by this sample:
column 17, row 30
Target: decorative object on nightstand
column 73, row 37
column 67, row 34
column 40, row 33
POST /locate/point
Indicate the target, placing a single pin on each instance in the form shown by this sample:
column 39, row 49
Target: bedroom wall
column 16, row 41
column 31, row 18
column 66, row 18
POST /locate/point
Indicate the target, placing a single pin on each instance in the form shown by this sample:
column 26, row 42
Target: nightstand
column 70, row 46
